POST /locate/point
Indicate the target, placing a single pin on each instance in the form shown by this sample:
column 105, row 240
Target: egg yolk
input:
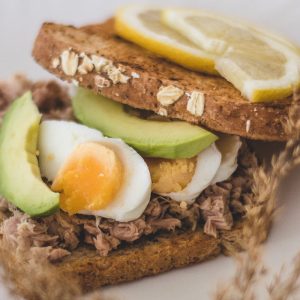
column 90, row 178
column 171, row 175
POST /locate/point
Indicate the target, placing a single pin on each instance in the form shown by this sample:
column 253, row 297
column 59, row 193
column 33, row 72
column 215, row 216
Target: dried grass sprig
column 33, row 278
column 282, row 288
column 241, row 287
column 260, row 215
column 267, row 180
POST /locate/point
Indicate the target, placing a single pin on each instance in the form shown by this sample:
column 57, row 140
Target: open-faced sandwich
column 121, row 182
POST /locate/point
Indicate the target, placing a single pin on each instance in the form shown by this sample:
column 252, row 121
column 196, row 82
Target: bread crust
column 225, row 109
column 146, row 257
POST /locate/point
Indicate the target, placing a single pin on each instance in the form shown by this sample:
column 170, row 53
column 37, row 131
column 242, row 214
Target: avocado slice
column 173, row 139
column 20, row 179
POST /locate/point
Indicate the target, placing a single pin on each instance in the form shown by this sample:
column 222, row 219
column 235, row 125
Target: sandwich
column 146, row 167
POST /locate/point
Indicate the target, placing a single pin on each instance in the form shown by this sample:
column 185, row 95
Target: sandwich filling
column 217, row 207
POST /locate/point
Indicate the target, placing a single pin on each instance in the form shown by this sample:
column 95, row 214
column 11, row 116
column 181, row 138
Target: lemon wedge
column 141, row 25
column 261, row 65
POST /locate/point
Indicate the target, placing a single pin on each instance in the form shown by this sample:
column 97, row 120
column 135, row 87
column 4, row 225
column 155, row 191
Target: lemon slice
column 142, row 26
column 262, row 66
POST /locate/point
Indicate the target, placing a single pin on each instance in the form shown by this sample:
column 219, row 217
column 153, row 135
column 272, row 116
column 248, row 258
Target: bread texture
column 146, row 257
column 225, row 110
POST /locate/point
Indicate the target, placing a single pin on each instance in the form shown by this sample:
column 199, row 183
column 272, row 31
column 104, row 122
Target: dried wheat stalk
column 260, row 216
column 33, row 278
column 282, row 288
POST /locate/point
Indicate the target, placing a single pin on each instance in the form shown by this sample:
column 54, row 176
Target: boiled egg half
column 93, row 174
column 185, row 179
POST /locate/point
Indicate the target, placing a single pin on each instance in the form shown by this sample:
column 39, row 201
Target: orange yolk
column 90, row 179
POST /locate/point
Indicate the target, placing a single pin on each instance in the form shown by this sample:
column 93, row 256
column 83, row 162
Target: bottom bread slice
column 148, row 257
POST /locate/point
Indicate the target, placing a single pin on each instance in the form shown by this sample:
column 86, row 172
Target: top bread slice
column 225, row 109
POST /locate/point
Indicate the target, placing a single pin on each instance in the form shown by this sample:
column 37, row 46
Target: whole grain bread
column 148, row 257
column 225, row 110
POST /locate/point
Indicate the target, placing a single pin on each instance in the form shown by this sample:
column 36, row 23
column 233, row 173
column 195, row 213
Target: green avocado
column 20, row 179
column 172, row 139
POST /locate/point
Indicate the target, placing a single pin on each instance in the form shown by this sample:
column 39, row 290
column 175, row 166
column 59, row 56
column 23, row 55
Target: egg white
column 208, row 163
column 229, row 146
column 215, row 164
column 57, row 141
column 134, row 195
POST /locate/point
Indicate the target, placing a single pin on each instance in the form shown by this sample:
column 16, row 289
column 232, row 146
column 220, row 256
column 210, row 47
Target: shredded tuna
column 216, row 215
column 4, row 209
column 3, row 205
column 36, row 234
column 26, row 233
column 9, row 227
column 56, row 236
column 67, row 230
column 58, row 254
column 222, row 202
column 154, row 209
column 189, row 216
column 169, row 224
column 129, row 231
column 11, row 89
column 217, row 207
column 48, row 253
column 102, row 244
column 51, row 98
column 91, row 229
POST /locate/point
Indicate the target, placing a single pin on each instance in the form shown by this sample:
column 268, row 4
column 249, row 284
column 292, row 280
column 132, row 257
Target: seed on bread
column 196, row 103
column 115, row 74
column 86, row 65
column 69, row 62
column 248, row 124
column 135, row 75
column 101, row 82
column 75, row 82
column 162, row 112
column 55, row 62
column 99, row 62
column 167, row 95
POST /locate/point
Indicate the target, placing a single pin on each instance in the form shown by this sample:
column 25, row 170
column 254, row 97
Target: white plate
column 19, row 23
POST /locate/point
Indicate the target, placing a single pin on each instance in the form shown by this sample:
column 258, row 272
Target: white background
column 19, row 23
